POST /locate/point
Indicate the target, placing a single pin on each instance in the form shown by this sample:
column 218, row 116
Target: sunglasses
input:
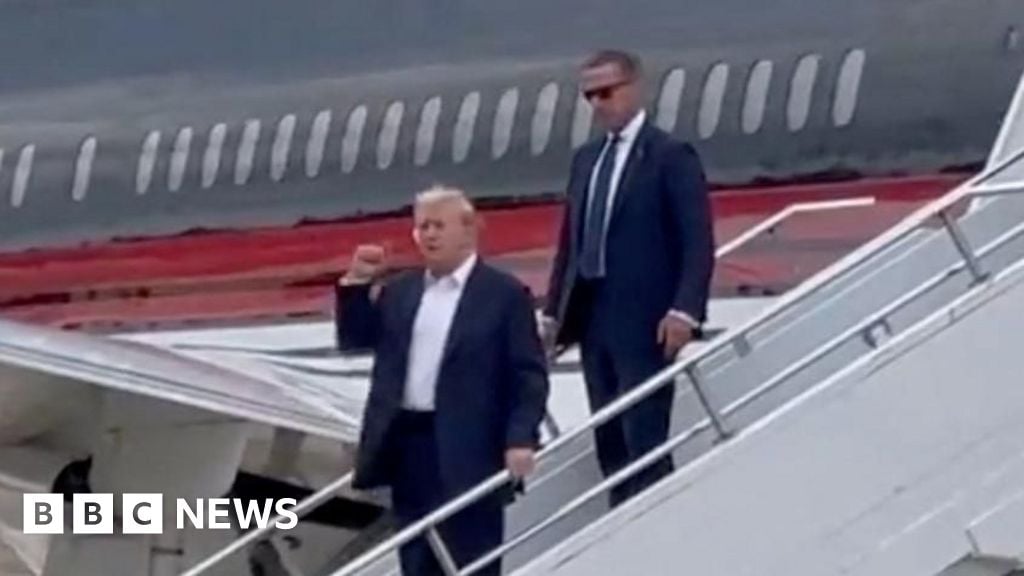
column 602, row 93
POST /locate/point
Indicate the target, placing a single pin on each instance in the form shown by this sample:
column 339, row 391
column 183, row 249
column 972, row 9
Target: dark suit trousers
column 611, row 368
column 418, row 490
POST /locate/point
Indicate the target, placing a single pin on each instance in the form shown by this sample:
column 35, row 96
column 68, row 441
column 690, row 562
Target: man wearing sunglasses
column 635, row 256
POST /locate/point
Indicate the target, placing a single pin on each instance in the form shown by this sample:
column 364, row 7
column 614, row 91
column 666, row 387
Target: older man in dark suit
column 634, row 262
column 459, row 383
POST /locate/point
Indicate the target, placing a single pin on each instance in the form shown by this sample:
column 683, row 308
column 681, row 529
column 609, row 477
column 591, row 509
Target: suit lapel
column 636, row 158
column 473, row 297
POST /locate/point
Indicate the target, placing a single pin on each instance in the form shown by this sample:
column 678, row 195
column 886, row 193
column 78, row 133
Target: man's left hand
column 520, row 462
column 673, row 334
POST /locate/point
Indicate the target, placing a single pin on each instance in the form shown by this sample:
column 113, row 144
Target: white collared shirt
column 430, row 332
column 628, row 137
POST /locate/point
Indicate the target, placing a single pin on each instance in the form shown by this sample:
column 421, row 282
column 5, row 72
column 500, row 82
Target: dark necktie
column 592, row 256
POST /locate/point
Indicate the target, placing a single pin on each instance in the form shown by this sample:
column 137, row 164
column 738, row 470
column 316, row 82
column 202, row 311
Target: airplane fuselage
column 148, row 118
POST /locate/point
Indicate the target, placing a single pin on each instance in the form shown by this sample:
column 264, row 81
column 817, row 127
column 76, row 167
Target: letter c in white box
column 142, row 513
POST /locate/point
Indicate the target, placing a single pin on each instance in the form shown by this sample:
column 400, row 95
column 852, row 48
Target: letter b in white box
column 93, row 514
column 142, row 513
column 42, row 513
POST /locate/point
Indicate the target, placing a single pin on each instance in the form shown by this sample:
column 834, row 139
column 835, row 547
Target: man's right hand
column 547, row 327
column 368, row 264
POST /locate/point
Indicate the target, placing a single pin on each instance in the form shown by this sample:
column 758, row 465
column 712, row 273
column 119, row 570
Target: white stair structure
column 877, row 406
column 876, row 470
column 869, row 422
column 859, row 425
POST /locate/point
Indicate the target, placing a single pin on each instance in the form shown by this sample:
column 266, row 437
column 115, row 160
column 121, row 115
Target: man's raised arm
column 356, row 317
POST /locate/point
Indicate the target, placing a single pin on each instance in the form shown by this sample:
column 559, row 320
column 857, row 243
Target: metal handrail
column 300, row 509
column 680, row 438
column 724, row 250
column 798, row 208
column 874, row 247
column 1012, row 117
column 549, row 421
column 733, row 337
column 503, row 477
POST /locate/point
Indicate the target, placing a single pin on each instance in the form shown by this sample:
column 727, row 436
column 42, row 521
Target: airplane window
column 670, row 99
column 387, row 139
column 711, row 100
column 247, row 151
column 282, row 146
column 427, row 131
column 848, row 88
column 1012, row 41
column 211, row 158
column 801, row 91
column 147, row 161
column 543, row 119
column 179, row 159
column 504, row 120
column 582, row 121
column 83, row 169
column 464, row 126
column 756, row 97
column 21, row 175
column 353, row 137
column 317, row 143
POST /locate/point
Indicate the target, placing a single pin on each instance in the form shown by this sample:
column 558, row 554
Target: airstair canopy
column 238, row 387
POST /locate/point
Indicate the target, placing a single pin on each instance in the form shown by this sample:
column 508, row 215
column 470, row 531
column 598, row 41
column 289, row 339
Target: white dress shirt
column 628, row 137
column 430, row 334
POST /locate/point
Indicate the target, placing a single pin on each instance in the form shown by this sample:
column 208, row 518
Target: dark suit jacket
column 659, row 250
column 492, row 386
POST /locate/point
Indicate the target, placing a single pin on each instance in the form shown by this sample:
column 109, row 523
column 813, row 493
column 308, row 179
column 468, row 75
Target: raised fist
column 368, row 263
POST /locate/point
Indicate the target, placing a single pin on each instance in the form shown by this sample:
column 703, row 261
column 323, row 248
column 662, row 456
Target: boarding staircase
column 868, row 422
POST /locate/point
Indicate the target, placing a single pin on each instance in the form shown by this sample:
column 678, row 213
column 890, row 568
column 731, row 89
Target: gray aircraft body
column 135, row 118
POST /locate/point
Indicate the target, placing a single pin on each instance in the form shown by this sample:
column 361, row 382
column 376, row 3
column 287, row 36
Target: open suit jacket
column 659, row 247
column 492, row 385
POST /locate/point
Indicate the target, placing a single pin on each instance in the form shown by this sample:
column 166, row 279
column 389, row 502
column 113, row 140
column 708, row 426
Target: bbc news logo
column 144, row 513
